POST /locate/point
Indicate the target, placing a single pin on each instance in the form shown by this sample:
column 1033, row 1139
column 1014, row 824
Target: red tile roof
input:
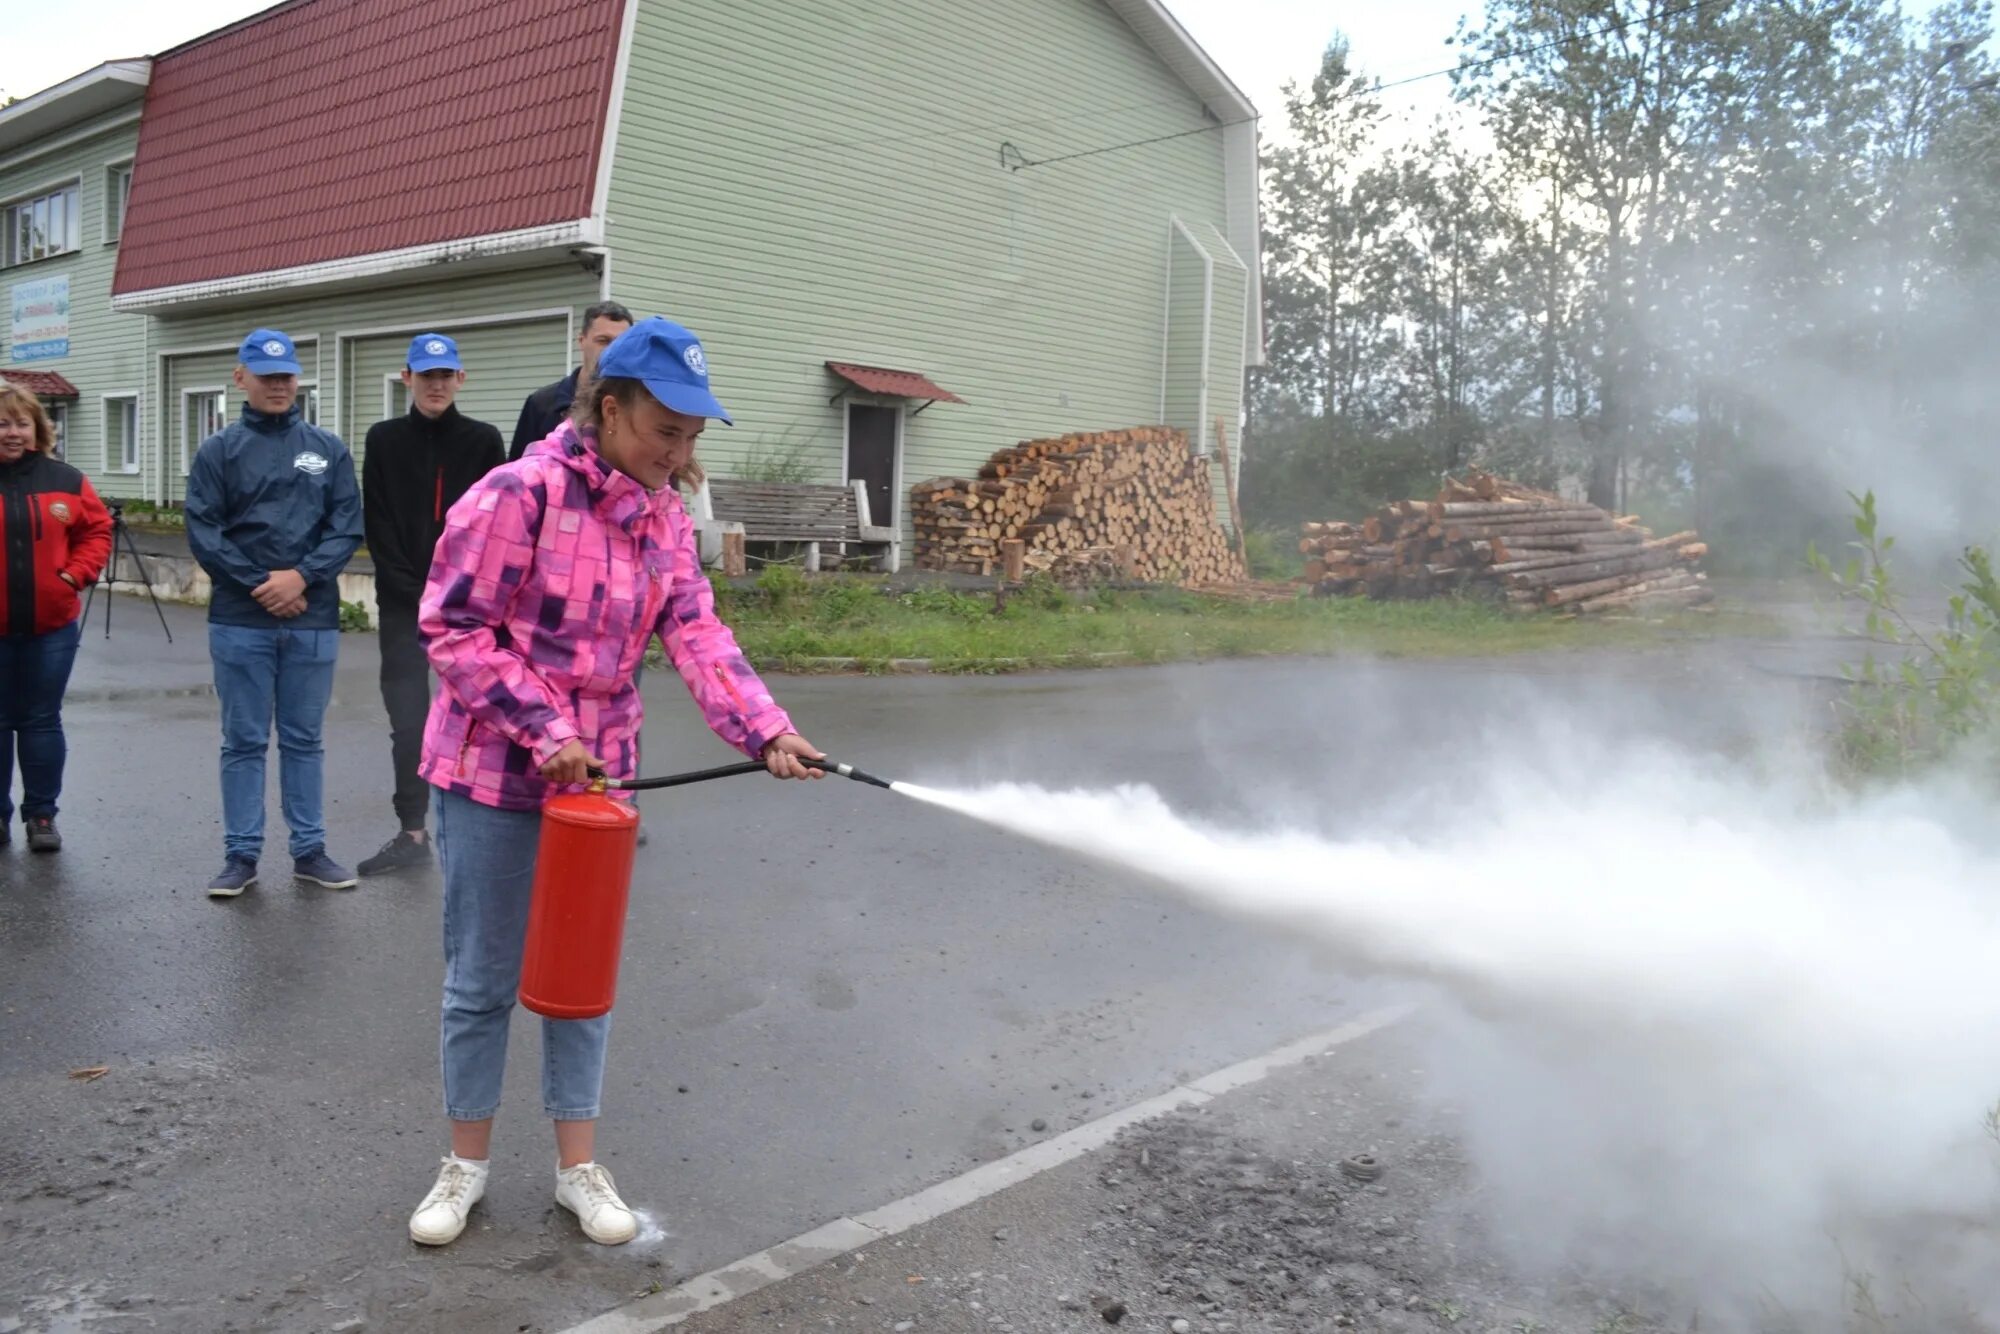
column 328, row 129
column 897, row 384
column 42, row 384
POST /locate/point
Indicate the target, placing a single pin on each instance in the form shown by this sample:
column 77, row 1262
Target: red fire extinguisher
column 576, row 919
column 583, row 877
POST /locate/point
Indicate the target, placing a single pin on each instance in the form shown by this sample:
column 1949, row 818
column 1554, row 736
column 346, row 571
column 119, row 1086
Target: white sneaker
column 587, row 1191
column 440, row 1218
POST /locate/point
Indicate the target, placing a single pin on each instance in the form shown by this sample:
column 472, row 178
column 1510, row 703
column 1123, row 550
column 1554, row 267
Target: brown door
column 871, row 456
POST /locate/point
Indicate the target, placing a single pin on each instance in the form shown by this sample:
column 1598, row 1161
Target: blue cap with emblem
column 668, row 360
column 268, row 352
column 433, row 352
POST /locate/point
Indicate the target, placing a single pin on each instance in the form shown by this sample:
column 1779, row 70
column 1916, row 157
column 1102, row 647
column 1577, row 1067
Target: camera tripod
column 121, row 534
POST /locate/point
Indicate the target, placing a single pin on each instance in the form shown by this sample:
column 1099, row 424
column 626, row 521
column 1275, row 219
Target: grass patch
column 790, row 619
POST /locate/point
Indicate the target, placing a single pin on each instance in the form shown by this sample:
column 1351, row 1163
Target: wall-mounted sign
column 41, row 319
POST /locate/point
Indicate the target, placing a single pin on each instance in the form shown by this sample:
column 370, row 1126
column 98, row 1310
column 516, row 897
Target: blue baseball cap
column 669, row 361
column 433, row 352
column 268, row 352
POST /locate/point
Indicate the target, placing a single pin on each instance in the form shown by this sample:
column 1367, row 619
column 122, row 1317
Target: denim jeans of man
column 34, row 673
column 262, row 674
column 488, row 857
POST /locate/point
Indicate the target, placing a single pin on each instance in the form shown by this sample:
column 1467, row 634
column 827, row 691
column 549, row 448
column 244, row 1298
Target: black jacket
column 545, row 410
column 413, row 470
column 273, row 493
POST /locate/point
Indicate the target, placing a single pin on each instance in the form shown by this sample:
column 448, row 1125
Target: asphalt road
column 830, row 996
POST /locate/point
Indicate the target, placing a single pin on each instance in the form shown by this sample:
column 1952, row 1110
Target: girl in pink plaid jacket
column 553, row 574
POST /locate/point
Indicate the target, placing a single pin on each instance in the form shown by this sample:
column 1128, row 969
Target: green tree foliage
column 1723, row 260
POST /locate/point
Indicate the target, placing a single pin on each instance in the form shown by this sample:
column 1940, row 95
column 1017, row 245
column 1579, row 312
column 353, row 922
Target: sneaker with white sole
column 588, row 1191
column 461, row 1183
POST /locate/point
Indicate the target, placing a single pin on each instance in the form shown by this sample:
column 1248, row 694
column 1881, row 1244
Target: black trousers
column 406, row 693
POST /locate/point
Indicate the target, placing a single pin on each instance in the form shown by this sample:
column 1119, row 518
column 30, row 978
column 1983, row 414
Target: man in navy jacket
column 273, row 515
column 548, row 407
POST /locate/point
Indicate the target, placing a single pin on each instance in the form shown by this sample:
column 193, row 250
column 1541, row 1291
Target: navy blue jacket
column 546, row 409
column 273, row 493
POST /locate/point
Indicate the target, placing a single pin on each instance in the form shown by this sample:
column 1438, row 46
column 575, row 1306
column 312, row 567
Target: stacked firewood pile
column 1484, row 531
column 1137, row 503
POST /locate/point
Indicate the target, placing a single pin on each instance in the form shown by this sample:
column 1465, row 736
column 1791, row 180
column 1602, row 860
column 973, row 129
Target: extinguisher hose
column 730, row 771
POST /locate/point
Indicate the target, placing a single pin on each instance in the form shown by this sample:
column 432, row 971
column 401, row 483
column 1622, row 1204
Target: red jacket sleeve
column 89, row 538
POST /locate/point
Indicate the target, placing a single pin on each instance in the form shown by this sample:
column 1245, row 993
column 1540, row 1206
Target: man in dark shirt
column 549, row 406
column 273, row 515
column 413, row 470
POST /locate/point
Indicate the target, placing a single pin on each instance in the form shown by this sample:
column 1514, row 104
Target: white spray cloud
column 1712, row 1035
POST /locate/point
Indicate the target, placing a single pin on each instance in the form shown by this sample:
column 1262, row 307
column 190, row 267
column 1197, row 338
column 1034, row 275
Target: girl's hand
column 571, row 764
column 782, row 757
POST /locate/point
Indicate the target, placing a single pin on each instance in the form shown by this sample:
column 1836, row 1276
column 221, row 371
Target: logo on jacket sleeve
column 60, row 511
column 307, row 461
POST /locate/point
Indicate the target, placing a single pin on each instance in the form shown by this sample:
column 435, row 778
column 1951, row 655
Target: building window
column 121, row 434
column 117, row 191
column 204, row 413
column 59, row 426
column 32, row 229
column 309, row 402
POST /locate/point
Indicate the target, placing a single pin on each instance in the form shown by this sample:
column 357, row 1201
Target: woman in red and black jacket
column 55, row 536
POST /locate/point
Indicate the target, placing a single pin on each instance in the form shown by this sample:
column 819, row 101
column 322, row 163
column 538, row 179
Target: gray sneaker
column 317, row 868
column 400, row 853
column 43, row 836
column 237, row 875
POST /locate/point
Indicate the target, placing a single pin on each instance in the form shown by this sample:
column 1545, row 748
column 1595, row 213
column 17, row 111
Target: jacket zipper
column 437, row 506
column 471, row 727
column 729, row 685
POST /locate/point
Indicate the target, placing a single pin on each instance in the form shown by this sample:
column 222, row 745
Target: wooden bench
column 810, row 515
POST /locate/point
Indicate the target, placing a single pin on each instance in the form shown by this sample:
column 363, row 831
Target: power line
column 1460, row 68
column 1025, row 163
column 1609, row 28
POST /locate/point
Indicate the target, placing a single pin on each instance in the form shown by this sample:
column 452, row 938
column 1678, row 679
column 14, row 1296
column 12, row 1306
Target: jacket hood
column 614, row 497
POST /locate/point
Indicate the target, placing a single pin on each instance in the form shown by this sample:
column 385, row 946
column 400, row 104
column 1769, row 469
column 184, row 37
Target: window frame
column 114, row 172
column 19, row 214
column 58, row 415
column 107, row 404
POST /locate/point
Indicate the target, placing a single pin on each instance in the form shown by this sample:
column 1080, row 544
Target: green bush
column 1273, row 552
column 936, row 599
column 1936, row 695
column 354, row 616
column 782, row 586
column 843, row 599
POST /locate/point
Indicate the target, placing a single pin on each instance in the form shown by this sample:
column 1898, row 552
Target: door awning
column 42, row 384
column 893, row 384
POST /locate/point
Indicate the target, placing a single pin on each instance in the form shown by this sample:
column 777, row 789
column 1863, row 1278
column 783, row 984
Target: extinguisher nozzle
column 849, row 771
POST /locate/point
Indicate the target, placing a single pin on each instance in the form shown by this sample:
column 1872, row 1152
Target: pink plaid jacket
column 553, row 573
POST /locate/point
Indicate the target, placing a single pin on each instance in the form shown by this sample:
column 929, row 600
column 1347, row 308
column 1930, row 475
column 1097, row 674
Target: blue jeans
column 489, row 872
column 34, row 673
column 260, row 674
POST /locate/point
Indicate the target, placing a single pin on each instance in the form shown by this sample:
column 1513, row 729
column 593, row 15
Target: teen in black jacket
column 414, row 468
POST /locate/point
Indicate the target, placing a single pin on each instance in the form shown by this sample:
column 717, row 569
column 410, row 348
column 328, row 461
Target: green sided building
column 909, row 233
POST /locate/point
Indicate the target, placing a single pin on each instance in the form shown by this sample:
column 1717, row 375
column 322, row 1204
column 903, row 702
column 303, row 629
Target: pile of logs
column 1136, row 502
column 1538, row 549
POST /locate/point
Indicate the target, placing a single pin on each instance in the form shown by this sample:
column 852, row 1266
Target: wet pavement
column 830, row 997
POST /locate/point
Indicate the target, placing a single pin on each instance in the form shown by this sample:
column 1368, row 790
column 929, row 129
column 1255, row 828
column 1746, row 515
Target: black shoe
column 6, row 831
column 399, row 854
column 43, row 836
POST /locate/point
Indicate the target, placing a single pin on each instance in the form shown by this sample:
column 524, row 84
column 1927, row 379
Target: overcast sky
column 1259, row 43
